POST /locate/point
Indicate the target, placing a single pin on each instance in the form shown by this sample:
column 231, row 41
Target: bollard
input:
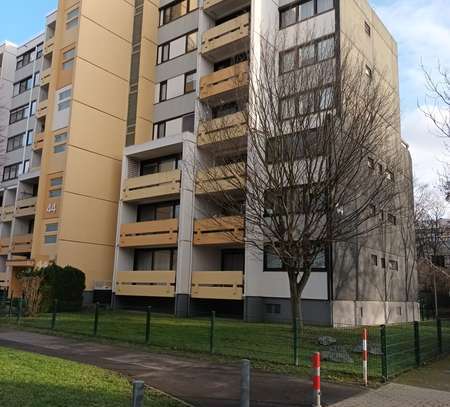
column 316, row 379
column 55, row 305
column 211, row 332
column 147, row 325
column 138, row 394
column 245, row 383
column 96, row 319
column 364, row 355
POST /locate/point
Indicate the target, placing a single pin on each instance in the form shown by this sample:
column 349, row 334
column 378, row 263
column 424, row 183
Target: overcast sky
column 421, row 28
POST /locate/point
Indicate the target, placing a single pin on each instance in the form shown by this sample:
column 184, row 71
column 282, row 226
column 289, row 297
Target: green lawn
column 269, row 346
column 29, row 380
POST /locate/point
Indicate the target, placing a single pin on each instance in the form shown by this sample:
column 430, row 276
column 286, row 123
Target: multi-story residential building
column 125, row 88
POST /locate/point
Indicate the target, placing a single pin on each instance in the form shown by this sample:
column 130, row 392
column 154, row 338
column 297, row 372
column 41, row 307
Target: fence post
column 10, row 304
column 19, row 311
column 138, row 394
column 439, row 334
column 96, row 319
column 384, row 357
column 211, row 332
column 245, row 383
column 147, row 325
column 364, row 355
column 316, row 380
column 417, row 342
column 55, row 305
column 296, row 337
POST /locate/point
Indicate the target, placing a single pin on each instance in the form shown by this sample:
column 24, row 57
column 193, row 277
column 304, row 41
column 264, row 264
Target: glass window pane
column 173, row 127
column 288, row 17
column 164, row 212
column 167, row 165
column 288, row 61
column 324, row 5
column 325, row 49
column 319, row 261
column 161, row 261
column 306, row 10
column 143, row 260
column 307, row 55
column 273, row 261
column 177, row 47
column 191, row 42
column 146, row 213
column 326, row 98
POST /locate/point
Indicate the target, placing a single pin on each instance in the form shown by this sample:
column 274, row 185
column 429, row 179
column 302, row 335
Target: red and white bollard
column 364, row 355
column 316, row 379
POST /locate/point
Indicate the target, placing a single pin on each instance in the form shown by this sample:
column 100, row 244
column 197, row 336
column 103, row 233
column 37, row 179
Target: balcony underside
column 222, row 8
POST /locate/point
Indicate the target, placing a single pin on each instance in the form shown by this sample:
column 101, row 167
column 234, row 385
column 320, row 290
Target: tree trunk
column 295, row 301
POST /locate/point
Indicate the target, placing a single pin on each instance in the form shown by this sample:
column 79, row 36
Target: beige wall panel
column 102, row 90
column 144, row 131
column 95, row 261
column 116, row 16
column 148, row 59
column 68, row 4
column 151, row 21
column 56, row 162
column 69, row 37
column 96, row 131
column 90, row 220
column 95, row 44
column 145, row 99
column 92, row 174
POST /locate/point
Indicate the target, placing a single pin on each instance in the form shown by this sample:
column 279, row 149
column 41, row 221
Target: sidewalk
column 200, row 383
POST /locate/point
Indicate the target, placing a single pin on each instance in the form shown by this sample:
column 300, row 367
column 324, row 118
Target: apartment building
column 119, row 119
column 173, row 250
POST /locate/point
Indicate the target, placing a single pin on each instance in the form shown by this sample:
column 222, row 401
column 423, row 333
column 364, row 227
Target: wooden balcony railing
column 225, row 84
column 42, row 108
column 161, row 185
column 8, row 213
column 226, row 39
column 20, row 261
column 219, row 231
column 49, row 45
column 38, row 143
column 226, row 285
column 46, row 76
column 22, row 244
column 231, row 128
column 225, row 178
column 145, row 283
column 145, row 234
column 4, row 246
column 26, row 207
column 220, row 8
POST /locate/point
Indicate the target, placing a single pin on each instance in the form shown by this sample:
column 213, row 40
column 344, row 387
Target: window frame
column 8, row 168
column 169, row 7
column 172, row 265
column 296, row 5
column 72, row 22
column 12, row 140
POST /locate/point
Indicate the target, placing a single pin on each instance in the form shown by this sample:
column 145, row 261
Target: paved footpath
column 199, row 383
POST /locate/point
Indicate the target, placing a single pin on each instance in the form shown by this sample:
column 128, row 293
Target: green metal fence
column 392, row 348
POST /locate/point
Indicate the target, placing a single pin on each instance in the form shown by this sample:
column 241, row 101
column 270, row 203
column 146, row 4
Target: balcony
column 218, row 285
column 227, row 39
column 227, row 131
column 4, row 246
column 164, row 185
column 230, row 177
column 49, row 46
column 26, row 207
column 20, row 261
column 22, row 244
column 147, row 234
column 46, row 77
column 221, row 8
column 38, row 143
column 225, row 85
column 146, row 283
column 42, row 109
column 219, row 231
column 8, row 213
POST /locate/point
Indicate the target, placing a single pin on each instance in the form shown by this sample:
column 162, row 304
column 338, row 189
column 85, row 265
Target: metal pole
column 364, row 356
column 384, row 357
column 436, row 312
column 147, row 325
column 245, row 383
column 316, row 380
column 10, row 304
column 96, row 319
column 55, row 304
column 138, row 393
column 211, row 332
column 417, row 342
column 439, row 334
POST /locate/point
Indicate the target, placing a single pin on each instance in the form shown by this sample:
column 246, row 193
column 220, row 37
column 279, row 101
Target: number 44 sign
column 51, row 208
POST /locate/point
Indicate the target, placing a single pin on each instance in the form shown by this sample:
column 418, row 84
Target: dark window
column 190, row 82
column 15, row 142
column 383, row 263
column 393, row 265
column 159, row 211
column 176, row 10
column 302, row 10
column 367, row 28
column 162, row 91
column 374, row 260
column 224, row 110
column 23, row 86
column 19, row 114
column 155, row 259
column 233, row 260
column 273, row 308
column 272, row 262
column 162, row 164
column 392, row 219
column 30, row 137
column 26, row 58
column 39, row 50
column 11, row 172
column 370, row 163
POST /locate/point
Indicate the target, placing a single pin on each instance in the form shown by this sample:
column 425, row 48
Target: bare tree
column 310, row 160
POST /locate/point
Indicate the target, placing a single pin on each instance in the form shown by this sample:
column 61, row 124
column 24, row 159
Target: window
column 15, row 142
column 380, row 168
column 161, row 164
column 325, row 49
column 26, row 58
column 68, row 58
column 50, row 239
column 33, row 108
column 162, row 91
column 392, row 219
column 60, row 148
column 368, row 72
column 25, row 166
column 11, row 172
column 39, row 50
column 370, row 163
column 155, row 260
column 174, row 126
column 23, row 86
column 374, row 260
column 288, row 16
column 72, row 18
column 191, row 42
column 367, row 28
column 288, row 61
column 273, row 308
column 372, row 210
column 389, row 175
column 233, row 260
column 306, row 10
column 307, row 55
column 383, row 263
column 190, row 82
column 176, row 10
column 60, row 138
column 160, row 211
column 56, row 182
column 326, row 98
column 18, row 114
column 30, row 137
column 55, row 193
column 51, row 227
column 393, row 265
column 177, row 47
column 303, row 10
column 324, row 5
column 36, row 79
column 64, row 99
